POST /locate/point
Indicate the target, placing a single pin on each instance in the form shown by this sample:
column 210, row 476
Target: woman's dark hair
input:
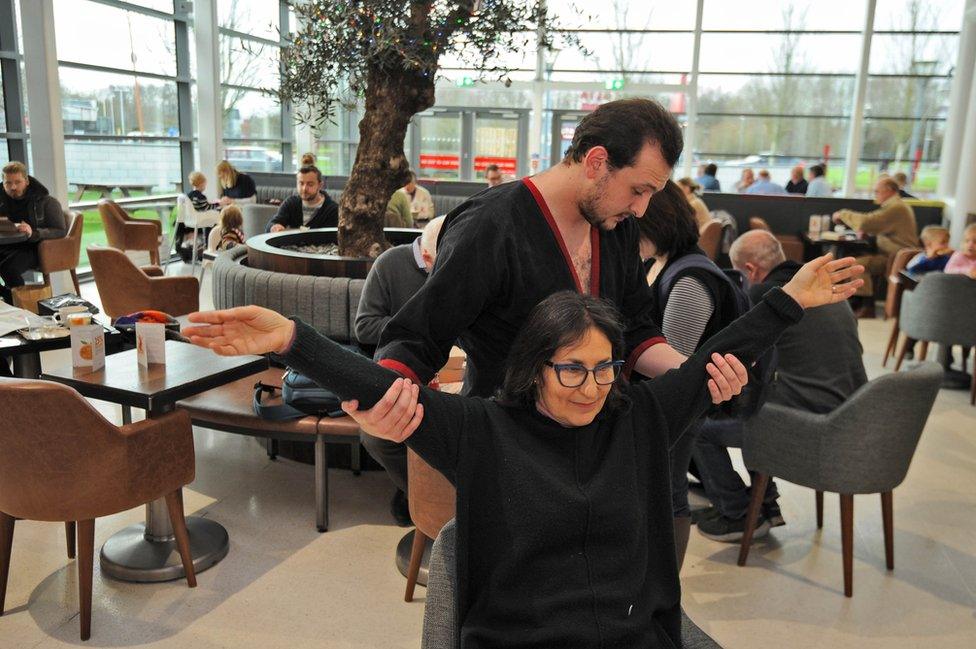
column 669, row 222
column 559, row 320
column 817, row 170
column 623, row 127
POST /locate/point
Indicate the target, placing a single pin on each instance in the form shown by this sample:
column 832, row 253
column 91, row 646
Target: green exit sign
column 465, row 82
column 614, row 84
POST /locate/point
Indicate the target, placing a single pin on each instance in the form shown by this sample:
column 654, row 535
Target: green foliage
column 342, row 45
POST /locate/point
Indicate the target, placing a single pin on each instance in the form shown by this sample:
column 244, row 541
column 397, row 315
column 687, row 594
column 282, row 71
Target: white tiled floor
column 285, row 585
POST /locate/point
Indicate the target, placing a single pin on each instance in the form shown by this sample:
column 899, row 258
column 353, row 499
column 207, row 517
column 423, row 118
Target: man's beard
column 588, row 206
column 310, row 199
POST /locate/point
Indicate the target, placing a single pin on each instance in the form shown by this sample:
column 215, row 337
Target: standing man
column 894, row 225
column 394, row 278
column 311, row 207
column 36, row 214
column 571, row 227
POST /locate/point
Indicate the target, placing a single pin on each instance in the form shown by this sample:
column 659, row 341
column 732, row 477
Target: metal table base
column 146, row 552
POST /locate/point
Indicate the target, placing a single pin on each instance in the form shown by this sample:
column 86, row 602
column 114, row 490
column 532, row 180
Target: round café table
column 146, row 552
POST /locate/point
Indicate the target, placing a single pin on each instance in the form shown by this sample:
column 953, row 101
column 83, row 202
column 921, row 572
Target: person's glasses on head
column 573, row 375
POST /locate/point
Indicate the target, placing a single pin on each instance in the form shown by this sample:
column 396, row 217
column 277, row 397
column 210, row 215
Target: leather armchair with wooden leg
column 63, row 254
column 126, row 288
column 62, row 461
column 893, row 298
column 127, row 233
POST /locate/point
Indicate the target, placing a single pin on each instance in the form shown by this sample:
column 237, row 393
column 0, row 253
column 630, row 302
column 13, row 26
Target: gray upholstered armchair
column 940, row 310
column 864, row 446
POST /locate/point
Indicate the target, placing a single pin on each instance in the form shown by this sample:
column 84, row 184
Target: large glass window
column 257, row 131
column 119, row 106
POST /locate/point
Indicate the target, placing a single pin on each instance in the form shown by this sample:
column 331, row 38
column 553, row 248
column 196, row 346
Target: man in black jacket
column 819, row 367
column 311, row 208
column 36, row 214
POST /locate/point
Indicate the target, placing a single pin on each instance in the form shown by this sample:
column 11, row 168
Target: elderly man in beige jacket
column 894, row 225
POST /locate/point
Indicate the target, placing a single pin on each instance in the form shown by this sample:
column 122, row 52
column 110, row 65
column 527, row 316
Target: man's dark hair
column 817, row 170
column 559, row 320
column 411, row 177
column 492, row 167
column 669, row 222
column 623, row 127
column 311, row 169
column 711, row 169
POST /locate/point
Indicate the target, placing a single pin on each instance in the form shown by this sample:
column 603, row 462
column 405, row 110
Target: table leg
column 27, row 366
column 147, row 552
column 126, row 415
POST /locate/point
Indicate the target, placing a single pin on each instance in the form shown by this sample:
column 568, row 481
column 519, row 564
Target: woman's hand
column 823, row 281
column 728, row 377
column 394, row 417
column 242, row 330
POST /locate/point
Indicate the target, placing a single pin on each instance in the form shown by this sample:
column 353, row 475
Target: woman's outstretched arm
column 436, row 419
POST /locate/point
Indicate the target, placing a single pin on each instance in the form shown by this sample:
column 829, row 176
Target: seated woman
column 563, row 500
column 235, row 186
column 693, row 301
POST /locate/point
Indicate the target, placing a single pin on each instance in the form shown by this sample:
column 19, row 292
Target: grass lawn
column 926, row 180
column 94, row 232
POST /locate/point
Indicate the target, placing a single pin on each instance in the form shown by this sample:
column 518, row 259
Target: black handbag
column 300, row 396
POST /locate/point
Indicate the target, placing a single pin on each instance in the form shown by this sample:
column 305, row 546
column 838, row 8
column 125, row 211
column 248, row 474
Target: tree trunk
column 393, row 97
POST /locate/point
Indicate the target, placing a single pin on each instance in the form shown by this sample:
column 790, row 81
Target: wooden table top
column 189, row 370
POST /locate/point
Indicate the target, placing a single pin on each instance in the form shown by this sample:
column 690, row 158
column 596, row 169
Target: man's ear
column 751, row 272
column 595, row 161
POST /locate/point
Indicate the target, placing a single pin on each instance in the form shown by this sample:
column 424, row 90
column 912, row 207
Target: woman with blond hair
column 235, row 187
column 690, row 189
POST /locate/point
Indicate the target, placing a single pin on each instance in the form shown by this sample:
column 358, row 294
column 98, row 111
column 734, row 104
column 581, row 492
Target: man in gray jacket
column 396, row 275
column 36, row 214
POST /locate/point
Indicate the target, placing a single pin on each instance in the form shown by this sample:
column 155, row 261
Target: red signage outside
column 508, row 166
column 440, row 161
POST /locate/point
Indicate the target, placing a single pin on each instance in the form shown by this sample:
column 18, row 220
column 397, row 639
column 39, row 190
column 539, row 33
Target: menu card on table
column 150, row 343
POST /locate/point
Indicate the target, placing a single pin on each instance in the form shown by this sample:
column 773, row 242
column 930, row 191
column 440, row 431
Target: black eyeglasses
column 573, row 375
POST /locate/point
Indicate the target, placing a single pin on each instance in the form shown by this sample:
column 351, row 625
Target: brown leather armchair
column 62, row 254
column 127, row 233
column 62, row 461
column 709, row 237
column 125, row 288
column 431, row 497
column 893, row 298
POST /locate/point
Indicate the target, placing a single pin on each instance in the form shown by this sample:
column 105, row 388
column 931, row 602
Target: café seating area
column 275, row 509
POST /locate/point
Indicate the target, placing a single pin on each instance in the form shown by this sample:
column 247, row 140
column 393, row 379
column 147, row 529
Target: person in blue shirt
column 818, row 185
column 764, row 185
column 707, row 180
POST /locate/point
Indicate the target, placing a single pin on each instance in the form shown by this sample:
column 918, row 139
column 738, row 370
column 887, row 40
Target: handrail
column 128, row 202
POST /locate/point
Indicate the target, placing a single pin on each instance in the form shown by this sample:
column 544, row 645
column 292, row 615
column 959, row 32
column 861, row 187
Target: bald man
column 819, row 366
column 894, row 225
column 394, row 278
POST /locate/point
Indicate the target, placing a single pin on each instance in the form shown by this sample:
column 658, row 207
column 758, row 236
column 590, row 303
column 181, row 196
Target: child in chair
column 963, row 261
column 199, row 183
column 231, row 222
column 937, row 252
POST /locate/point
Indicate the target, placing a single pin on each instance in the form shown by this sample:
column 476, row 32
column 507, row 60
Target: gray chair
column 862, row 447
column 256, row 217
column 940, row 310
column 440, row 611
